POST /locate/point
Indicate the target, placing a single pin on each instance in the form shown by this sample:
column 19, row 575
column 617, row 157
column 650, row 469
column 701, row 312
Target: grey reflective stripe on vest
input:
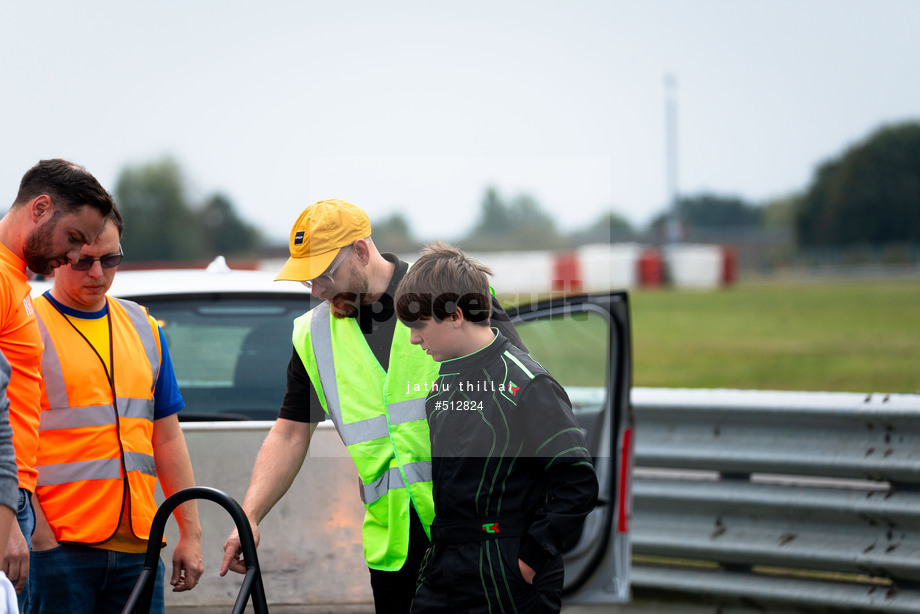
column 415, row 473
column 376, row 427
column 407, row 411
column 364, row 430
column 100, row 469
column 52, row 372
column 145, row 332
column 321, row 339
column 94, row 415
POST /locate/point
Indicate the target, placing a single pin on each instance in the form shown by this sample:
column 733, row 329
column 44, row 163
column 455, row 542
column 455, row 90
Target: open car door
column 584, row 342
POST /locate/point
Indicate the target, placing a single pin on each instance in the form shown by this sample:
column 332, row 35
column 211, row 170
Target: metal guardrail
column 777, row 500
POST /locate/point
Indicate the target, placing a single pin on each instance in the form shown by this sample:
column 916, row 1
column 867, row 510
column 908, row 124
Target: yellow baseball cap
column 321, row 230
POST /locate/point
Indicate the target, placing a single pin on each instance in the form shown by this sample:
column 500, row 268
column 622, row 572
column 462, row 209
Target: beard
column 345, row 304
column 35, row 251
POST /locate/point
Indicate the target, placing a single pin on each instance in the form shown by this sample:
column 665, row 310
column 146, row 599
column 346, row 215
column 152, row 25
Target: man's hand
column 16, row 562
column 187, row 565
column 526, row 571
column 233, row 552
column 279, row 460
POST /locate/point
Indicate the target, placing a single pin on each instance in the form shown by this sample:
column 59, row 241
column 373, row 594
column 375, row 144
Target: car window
column 230, row 353
column 575, row 349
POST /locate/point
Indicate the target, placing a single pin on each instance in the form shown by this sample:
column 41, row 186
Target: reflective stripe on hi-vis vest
column 380, row 416
column 91, row 448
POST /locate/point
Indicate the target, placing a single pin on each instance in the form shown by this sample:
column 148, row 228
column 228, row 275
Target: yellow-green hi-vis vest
column 380, row 416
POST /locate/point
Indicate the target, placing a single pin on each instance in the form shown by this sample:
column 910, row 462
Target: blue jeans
column 84, row 580
column 25, row 516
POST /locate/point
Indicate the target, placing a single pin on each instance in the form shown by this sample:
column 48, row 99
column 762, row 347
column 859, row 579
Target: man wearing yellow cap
column 353, row 363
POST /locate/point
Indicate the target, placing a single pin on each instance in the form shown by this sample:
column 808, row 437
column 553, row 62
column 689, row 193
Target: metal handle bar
column 142, row 595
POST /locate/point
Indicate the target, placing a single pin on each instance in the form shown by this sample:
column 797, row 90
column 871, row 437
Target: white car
column 229, row 336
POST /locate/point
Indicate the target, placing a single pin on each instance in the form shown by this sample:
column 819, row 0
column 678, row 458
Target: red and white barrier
column 693, row 266
column 595, row 268
column 519, row 272
column 607, row 266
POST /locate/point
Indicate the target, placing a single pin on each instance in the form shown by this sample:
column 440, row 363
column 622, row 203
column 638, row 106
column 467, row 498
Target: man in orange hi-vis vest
column 109, row 429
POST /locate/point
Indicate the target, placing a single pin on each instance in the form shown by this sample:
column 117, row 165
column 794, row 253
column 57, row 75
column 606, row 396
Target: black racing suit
column 513, row 479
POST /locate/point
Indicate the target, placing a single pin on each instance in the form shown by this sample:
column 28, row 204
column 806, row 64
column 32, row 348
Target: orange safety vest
column 92, row 451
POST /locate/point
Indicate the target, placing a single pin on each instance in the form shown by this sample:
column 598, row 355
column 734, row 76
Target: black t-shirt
column 378, row 323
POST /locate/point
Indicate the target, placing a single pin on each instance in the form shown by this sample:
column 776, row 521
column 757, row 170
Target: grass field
column 833, row 336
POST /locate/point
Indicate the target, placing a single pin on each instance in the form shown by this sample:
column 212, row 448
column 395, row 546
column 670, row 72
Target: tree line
column 163, row 224
column 867, row 195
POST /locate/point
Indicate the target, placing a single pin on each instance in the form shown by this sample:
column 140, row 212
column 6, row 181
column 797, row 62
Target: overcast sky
column 418, row 106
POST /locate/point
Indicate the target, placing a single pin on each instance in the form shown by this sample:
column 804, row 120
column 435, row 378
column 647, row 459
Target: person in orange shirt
column 60, row 208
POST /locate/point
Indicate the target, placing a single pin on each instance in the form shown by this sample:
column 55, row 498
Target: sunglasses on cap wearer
column 107, row 262
column 326, row 278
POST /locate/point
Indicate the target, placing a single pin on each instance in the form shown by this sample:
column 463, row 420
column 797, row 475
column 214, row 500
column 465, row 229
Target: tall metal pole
column 672, row 226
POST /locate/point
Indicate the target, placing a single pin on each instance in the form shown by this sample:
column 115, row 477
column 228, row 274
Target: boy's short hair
column 442, row 280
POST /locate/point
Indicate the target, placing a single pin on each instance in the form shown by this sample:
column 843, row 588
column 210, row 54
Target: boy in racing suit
column 511, row 472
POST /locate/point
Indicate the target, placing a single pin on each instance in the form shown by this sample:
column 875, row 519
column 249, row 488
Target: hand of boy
column 526, row 571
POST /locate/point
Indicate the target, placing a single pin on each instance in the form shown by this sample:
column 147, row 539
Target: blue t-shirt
column 167, row 400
